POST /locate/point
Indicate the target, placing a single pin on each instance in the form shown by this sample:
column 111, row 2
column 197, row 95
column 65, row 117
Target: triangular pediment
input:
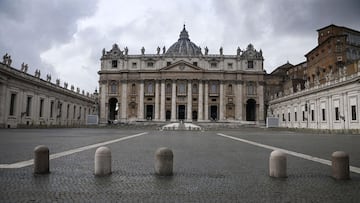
column 182, row 66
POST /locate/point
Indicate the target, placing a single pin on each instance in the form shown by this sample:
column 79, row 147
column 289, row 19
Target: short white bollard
column 102, row 161
column 41, row 160
column 164, row 161
column 277, row 164
column 340, row 165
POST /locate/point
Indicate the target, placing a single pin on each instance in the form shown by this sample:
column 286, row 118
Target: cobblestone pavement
column 207, row 167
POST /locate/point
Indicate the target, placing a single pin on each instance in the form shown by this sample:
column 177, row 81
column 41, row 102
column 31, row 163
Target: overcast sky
column 65, row 37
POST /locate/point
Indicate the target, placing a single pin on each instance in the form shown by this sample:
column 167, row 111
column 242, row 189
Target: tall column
column 157, row 99
column 260, row 94
column 239, row 101
column 173, row 101
column 103, row 102
column 200, row 106
column 346, row 117
column 3, row 103
column 221, row 108
column 206, row 101
column 141, row 101
column 124, row 100
column 189, row 102
column 162, row 101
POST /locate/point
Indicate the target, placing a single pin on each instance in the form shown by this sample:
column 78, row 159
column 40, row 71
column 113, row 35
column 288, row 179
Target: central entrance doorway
column 149, row 112
column 213, row 112
column 181, row 112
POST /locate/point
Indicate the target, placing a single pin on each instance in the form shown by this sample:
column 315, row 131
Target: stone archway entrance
column 181, row 112
column 213, row 112
column 251, row 110
column 149, row 112
column 113, row 109
column 194, row 115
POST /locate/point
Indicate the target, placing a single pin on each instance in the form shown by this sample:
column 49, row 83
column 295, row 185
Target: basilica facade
column 183, row 82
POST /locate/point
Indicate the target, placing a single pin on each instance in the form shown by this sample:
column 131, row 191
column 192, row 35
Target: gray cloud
column 30, row 27
column 283, row 29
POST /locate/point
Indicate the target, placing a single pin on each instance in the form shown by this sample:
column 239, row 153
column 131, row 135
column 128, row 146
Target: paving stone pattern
column 207, row 167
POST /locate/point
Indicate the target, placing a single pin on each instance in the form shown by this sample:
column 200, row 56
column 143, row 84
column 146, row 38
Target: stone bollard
column 164, row 161
column 277, row 164
column 41, row 160
column 340, row 165
column 102, row 161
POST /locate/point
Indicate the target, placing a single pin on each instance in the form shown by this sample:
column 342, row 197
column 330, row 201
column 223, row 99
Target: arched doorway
column 149, row 112
column 168, row 115
column 251, row 110
column 194, row 115
column 213, row 112
column 113, row 109
column 181, row 112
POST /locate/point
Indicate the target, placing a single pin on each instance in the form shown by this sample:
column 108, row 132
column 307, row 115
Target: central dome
column 184, row 47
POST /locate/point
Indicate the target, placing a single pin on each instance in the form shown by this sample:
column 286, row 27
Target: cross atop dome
column 184, row 34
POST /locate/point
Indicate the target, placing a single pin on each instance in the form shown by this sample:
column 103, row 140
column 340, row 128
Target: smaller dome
column 184, row 47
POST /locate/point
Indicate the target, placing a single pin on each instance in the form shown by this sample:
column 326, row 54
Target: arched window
column 251, row 88
column 150, row 88
column 113, row 87
column 230, row 89
column 213, row 88
column 195, row 89
column 168, row 88
column 182, row 89
column 133, row 89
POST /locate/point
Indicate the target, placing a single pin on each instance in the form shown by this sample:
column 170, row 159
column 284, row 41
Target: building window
column 337, row 115
column 303, row 115
column 51, row 109
column 250, row 64
column 150, row 88
column 289, row 116
column 182, row 88
column 150, row 64
column 323, row 115
column 133, row 89
column 134, row 65
column 230, row 65
column 114, row 63
column 74, row 112
column 213, row 88
column 213, row 65
column 60, row 109
column 113, row 88
column 28, row 106
column 295, row 116
column 195, row 63
column 283, row 117
column 12, row 104
column 230, row 89
column 251, row 88
column 79, row 113
column 312, row 115
column 194, row 89
column 67, row 110
column 168, row 63
column 353, row 112
column 41, row 108
column 168, row 88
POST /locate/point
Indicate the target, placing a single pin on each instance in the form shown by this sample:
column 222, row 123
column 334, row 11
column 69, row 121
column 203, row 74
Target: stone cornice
column 314, row 90
column 32, row 80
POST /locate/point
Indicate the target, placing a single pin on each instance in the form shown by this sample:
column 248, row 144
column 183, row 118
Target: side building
column 324, row 91
column 182, row 83
column 29, row 101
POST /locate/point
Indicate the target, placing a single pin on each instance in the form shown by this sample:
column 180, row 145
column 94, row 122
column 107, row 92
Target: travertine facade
column 29, row 101
column 324, row 91
column 181, row 83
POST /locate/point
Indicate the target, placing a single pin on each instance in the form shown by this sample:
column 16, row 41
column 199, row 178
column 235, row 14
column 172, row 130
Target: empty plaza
column 230, row 165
